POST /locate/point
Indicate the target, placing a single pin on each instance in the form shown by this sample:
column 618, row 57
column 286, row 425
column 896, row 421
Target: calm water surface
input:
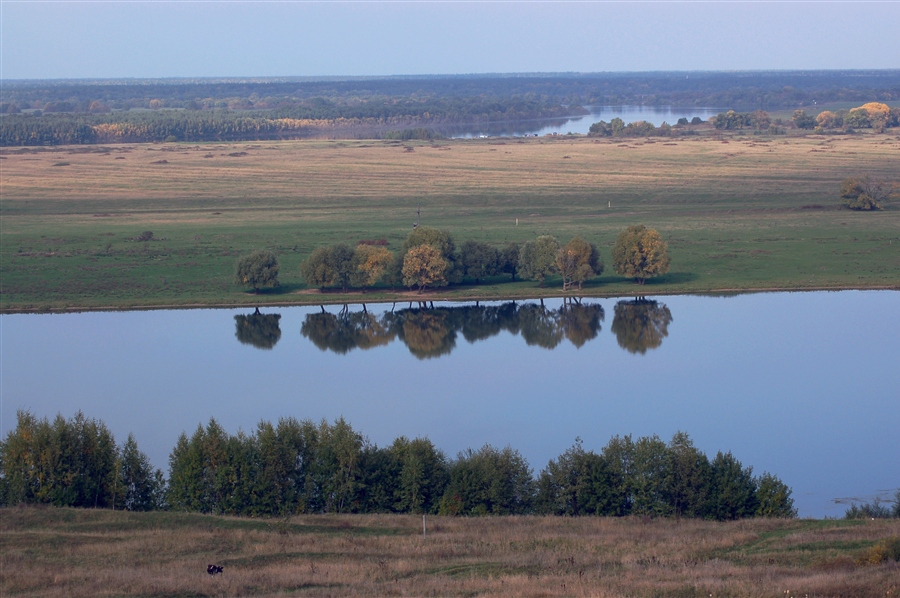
column 581, row 125
column 804, row 385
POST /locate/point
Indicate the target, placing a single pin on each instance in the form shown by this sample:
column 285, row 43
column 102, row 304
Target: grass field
column 69, row 552
column 740, row 212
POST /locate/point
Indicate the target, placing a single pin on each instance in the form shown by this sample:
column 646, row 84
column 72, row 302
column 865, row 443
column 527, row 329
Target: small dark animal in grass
column 213, row 569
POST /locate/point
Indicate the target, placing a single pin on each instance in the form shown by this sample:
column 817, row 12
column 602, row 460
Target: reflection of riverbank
column 639, row 326
column 433, row 331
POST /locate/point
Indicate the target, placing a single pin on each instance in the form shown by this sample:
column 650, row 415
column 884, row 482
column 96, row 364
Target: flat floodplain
column 52, row 552
column 740, row 212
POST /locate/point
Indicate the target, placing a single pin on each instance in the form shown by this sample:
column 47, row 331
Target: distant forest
column 49, row 112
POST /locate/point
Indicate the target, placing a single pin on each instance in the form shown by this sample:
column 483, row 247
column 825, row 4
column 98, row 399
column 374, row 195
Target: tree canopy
column 537, row 259
column 424, row 267
column 259, row 269
column 578, row 261
column 640, row 253
column 865, row 193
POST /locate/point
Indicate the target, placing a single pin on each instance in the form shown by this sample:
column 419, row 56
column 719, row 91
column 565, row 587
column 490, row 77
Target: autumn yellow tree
column 578, row 261
column 370, row 263
column 640, row 253
column 865, row 193
column 423, row 267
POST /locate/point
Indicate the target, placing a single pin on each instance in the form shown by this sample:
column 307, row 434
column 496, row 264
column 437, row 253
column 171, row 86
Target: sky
column 181, row 38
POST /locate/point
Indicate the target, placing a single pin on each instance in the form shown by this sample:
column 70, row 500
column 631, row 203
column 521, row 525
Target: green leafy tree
column 259, row 269
column 773, row 498
column 650, row 477
column 423, row 475
column 424, row 267
column 317, row 269
column 802, row 120
column 577, row 483
column 330, row 266
column 509, row 259
column 601, row 129
column 479, row 260
column 689, row 475
column 578, row 261
column 857, row 118
column 537, row 259
column 337, row 467
column 489, row 482
column 144, row 487
column 619, row 455
column 617, row 126
column 640, row 253
column 66, row 463
column 732, row 489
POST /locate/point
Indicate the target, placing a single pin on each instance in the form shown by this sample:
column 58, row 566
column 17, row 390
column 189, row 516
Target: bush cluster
column 303, row 467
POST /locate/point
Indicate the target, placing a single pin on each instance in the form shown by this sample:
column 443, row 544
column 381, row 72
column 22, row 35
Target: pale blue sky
column 190, row 39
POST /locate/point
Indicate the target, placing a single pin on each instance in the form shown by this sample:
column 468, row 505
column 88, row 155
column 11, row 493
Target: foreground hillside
column 73, row 552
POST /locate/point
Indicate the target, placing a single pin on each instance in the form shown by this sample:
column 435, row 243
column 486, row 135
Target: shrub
column 256, row 270
column 872, row 510
column 883, row 552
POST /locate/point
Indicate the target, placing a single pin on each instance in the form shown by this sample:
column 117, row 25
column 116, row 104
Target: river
column 580, row 125
column 802, row 385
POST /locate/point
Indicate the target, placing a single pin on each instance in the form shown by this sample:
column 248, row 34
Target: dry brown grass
column 66, row 552
column 311, row 171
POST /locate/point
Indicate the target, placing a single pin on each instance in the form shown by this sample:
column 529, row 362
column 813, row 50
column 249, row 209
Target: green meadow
column 740, row 212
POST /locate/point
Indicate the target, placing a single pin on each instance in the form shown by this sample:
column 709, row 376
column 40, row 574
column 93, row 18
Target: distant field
column 740, row 212
column 50, row 552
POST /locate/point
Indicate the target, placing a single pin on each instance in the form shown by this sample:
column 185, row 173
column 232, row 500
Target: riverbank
column 74, row 552
column 740, row 213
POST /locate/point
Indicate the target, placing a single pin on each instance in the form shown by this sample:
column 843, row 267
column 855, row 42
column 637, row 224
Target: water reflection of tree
column 641, row 325
column 428, row 332
column 539, row 326
column 347, row 330
column 260, row 330
column 581, row 323
column 431, row 332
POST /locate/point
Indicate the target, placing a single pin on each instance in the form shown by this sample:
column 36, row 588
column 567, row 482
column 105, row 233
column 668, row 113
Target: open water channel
column 803, row 385
column 580, row 125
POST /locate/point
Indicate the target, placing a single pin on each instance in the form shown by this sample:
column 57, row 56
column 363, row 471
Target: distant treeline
column 737, row 90
column 375, row 118
column 232, row 109
column 304, row 467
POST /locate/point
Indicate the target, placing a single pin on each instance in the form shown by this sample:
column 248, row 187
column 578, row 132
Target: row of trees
column 874, row 115
column 429, row 258
column 303, row 467
column 57, row 124
column 639, row 128
column 76, row 463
